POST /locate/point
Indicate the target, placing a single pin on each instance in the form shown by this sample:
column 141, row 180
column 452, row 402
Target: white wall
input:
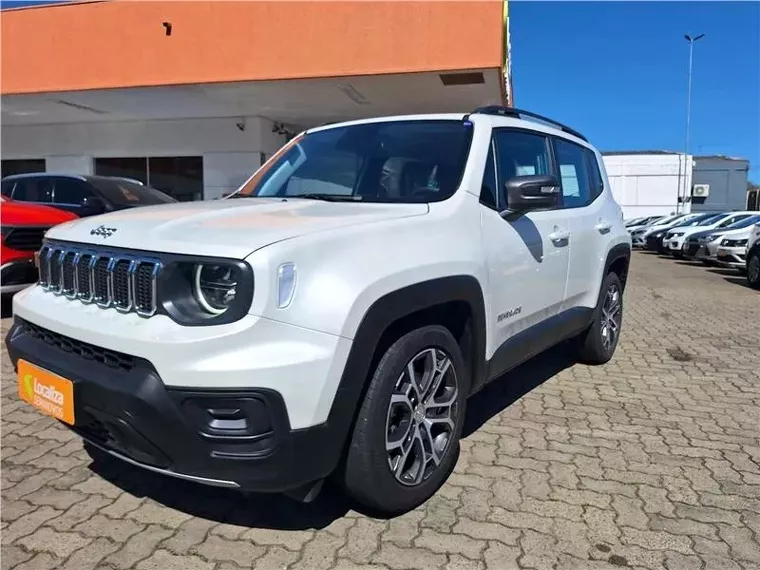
column 230, row 155
column 648, row 184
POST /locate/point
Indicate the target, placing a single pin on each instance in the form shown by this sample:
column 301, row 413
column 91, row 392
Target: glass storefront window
column 178, row 176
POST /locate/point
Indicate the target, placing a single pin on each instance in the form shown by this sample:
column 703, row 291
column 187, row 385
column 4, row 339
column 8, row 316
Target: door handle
column 559, row 237
column 603, row 227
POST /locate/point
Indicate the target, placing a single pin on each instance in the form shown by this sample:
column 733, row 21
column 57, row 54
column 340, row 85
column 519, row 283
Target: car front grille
column 23, row 238
column 121, row 281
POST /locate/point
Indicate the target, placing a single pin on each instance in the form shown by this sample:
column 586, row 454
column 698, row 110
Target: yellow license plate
column 48, row 392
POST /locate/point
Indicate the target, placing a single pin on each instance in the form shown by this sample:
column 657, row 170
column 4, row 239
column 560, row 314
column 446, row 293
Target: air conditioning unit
column 700, row 190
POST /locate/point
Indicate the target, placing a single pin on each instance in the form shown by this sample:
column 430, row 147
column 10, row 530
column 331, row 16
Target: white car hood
column 230, row 228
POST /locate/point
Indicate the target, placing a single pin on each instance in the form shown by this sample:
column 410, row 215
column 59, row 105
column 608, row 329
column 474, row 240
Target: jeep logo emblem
column 103, row 232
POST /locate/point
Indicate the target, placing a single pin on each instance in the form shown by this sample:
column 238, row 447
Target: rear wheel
column 597, row 344
column 753, row 269
column 406, row 439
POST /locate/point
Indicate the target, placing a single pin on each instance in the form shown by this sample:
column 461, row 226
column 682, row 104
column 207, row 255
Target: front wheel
column 753, row 269
column 406, row 439
column 597, row 344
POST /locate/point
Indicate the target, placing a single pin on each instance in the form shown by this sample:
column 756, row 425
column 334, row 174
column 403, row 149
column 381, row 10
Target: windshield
column 745, row 223
column 395, row 161
column 125, row 193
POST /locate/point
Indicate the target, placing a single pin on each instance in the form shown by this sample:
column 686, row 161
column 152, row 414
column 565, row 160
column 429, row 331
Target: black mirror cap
column 535, row 192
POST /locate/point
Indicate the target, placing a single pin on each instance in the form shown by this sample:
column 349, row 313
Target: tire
column 753, row 269
column 381, row 480
column 591, row 345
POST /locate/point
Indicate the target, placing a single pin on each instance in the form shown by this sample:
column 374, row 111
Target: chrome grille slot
column 54, row 270
column 124, row 282
column 121, row 284
column 83, row 277
column 68, row 277
column 144, row 287
column 101, row 283
column 44, row 268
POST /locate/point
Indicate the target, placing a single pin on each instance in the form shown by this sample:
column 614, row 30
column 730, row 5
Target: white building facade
column 649, row 183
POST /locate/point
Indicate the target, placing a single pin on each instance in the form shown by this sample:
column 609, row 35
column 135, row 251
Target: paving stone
column 118, row 530
column 163, row 560
column 450, row 543
column 60, row 544
column 139, row 547
column 90, row 556
column 399, row 558
column 28, row 523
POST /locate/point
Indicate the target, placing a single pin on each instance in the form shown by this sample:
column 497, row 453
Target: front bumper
column 17, row 275
column 122, row 406
column 676, row 245
column 142, row 388
column 735, row 257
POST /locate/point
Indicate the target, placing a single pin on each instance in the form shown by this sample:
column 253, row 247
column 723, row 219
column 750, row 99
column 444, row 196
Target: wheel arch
column 395, row 313
column 619, row 261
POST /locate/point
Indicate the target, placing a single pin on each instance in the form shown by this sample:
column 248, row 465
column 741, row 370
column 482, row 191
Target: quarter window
column 574, row 173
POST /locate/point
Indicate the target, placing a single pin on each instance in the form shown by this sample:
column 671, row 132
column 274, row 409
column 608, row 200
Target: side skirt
column 536, row 339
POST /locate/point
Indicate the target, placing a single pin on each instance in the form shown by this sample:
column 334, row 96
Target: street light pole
column 692, row 41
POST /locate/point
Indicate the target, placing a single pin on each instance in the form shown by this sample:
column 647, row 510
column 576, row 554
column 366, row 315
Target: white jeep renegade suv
column 333, row 315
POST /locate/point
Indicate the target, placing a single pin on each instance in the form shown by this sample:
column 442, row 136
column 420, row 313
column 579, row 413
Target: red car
column 23, row 227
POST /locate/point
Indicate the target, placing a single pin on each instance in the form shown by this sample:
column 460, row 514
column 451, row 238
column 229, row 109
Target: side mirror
column 526, row 193
column 94, row 204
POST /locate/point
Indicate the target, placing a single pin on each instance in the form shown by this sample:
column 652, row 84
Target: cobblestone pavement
column 652, row 461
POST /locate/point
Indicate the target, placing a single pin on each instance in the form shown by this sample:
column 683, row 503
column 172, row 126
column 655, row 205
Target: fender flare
column 616, row 253
column 382, row 314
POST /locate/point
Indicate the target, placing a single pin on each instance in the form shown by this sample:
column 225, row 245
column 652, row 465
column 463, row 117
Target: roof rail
column 519, row 113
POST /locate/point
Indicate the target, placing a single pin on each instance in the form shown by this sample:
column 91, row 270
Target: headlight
column 678, row 234
column 724, row 242
column 205, row 291
column 741, row 242
column 214, row 287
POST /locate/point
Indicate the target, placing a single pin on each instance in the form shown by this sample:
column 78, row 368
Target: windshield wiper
column 331, row 197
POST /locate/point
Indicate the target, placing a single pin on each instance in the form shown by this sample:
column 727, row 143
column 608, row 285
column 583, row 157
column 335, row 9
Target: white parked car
column 732, row 247
column 333, row 315
column 675, row 238
column 709, row 244
column 641, row 238
column 637, row 232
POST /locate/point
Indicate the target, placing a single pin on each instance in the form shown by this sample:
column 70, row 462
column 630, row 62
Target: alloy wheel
column 612, row 315
column 422, row 416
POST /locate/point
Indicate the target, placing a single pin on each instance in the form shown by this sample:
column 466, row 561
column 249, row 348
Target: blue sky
column 617, row 71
